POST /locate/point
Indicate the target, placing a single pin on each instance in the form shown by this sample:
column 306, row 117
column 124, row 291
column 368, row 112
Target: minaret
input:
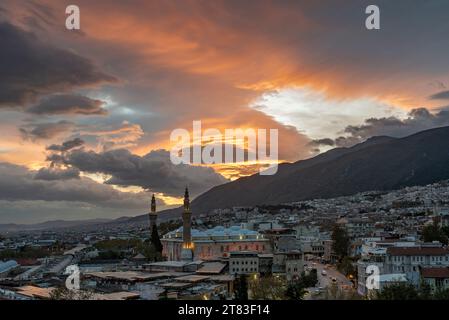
column 153, row 214
column 187, row 245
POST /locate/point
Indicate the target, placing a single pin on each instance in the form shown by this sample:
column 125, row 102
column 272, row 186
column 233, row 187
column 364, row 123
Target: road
column 325, row 281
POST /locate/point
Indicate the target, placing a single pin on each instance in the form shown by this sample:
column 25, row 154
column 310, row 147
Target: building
column 215, row 243
column 7, row 266
column 265, row 264
column 408, row 260
column 329, row 255
column 386, row 280
column 243, row 262
column 437, row 278
column 294, row 265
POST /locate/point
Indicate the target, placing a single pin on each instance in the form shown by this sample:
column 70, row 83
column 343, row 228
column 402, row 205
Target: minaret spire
column 187, row 246
column 153, row 204
column 186, row 200
column 153, row 214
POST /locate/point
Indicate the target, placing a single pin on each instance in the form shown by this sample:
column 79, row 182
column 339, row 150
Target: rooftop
column 435, row 272
column 417, row 251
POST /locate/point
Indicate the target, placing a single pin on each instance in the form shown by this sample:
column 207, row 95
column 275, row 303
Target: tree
column 340, row 244
column 295, row 290
column 241, row 292
column 346, row 267
column 62, row 293
column 155, row 240
column 267, row 288
column 310, row 279
column 433, row 232
column 398, row 291
column 425, row 291
column 441, row 294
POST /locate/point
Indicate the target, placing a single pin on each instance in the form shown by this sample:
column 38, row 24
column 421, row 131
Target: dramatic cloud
column 46, row 130
column 124, row 135
column 443, row 95
column 57, row 174
column 417, row 120
column 66, row 146
column 68, row 104
column 322, row 142
column 153, row 171
column 31, row 68
column 18, row 183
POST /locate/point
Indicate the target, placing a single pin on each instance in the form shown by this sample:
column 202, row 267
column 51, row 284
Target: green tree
column 241, row 292
column 267, row 288
column 425, row 291
column 433, row 232
column 398, row 291
column 295, row 290
column 155, row 240
column 441, row 294
column 341, row 241
column 62, row 293
column 346, row 267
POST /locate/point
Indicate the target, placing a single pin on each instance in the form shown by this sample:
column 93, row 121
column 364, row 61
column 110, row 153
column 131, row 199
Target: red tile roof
column 435, row 272
column 417, row 251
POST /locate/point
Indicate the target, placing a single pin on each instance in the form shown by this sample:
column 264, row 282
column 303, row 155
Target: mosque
column 187, row 244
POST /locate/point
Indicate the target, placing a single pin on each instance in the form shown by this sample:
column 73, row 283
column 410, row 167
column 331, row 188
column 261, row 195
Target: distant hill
column 49, row 225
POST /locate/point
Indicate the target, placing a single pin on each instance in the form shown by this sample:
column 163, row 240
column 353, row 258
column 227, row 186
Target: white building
column 243, row 262
column 408, row 260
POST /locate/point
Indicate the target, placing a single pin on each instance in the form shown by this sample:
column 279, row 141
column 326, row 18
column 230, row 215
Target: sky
column 86, row 115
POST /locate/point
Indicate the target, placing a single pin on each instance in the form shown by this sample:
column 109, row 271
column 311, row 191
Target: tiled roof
column 417, row 251
column 435, row 272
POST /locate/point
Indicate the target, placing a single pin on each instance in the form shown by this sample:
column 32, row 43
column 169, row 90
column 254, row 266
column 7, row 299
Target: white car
column 323, row 273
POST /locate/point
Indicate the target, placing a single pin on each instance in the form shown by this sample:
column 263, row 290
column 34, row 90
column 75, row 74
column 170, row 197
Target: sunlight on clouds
column 318, row 116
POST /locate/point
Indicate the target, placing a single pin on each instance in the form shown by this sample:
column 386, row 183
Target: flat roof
column 192, row 278
column 212, row 267
column 128, row 275
column 121, row 295
column 176, row 285
column 35, row 292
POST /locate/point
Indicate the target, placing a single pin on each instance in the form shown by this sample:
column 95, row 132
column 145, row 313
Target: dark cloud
column 417, row 120
column 68, row 104
column 322, row 142
column 20, row 184
column 67, row 145
column 31, row 68
column 57, row 174
column 47, row 130
column 153, row 171
column 443, row 95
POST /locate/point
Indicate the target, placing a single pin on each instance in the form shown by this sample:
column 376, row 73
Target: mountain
column 380, row 163
column 48, row 225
